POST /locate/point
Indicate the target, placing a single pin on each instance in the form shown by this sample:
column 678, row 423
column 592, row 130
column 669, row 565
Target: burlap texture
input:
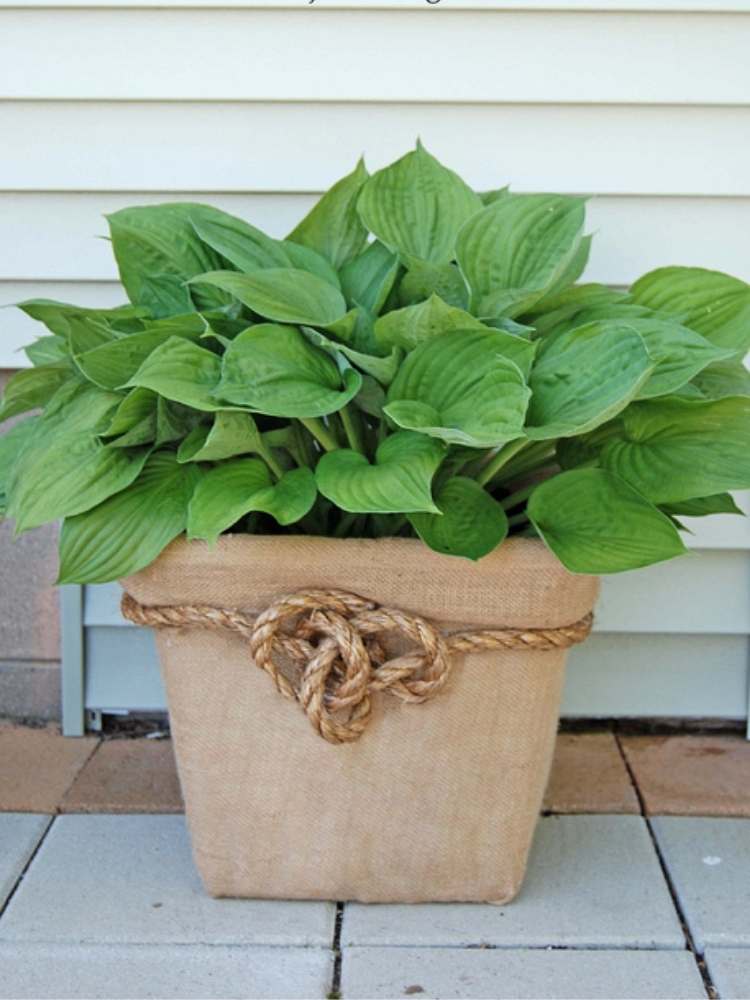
column 436, row 801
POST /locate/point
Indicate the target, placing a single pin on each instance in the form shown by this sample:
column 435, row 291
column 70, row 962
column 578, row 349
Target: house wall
column 257, row 107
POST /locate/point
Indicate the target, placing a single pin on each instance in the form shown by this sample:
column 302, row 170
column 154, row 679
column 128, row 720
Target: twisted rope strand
column 331, row 638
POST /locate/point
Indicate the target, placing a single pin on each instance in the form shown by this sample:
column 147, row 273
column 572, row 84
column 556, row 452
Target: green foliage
column 413, row 359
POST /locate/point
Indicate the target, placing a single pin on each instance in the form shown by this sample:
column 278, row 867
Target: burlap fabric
column 436, row 801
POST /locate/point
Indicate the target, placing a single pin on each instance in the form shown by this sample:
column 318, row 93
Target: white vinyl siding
column 256, row 107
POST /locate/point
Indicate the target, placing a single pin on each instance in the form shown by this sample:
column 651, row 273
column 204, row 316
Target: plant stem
column 518, row 497
column 518, row 519
column 500, row 459
column 320, row 432
column 267, row 455
column 352, row 429
column 534, row 457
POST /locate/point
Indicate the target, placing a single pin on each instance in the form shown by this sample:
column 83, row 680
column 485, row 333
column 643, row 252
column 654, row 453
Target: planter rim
column 521, row 584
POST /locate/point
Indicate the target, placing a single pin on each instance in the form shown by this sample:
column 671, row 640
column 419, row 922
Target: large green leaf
column 33, row 387
column 63, row 472
column 307, row 259
column 333, row 227
column 594, row 522
column 134, row 421
column 459, row 387
column 398, row 482
column 182, row 371
column 719, row 503
column 472, row 522
column 12, row 443
column 724, row 378
column 231, row 490
column 87, row 332
column 282, row 293
column 566, row 307
column 128, row 531
column 416, row 206
column 230, row 434
column 112, row 365
column 56, row 315
column 516, row 250
column 47, row 350
column 413, row 325
column 714, row 304
column 155, row 243
column 273, row 369
column 383, row 368
column 677, row 352
column 367, row 279
column 244, row 246
column 423, row 279
column 583, row 377
column 674, row 449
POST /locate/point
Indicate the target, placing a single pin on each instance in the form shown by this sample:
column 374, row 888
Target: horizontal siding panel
column 602, row 6
column 78, row 146
column 52, row 237
column 659, row 599
column 610, row 676
column 371, row 55
column 682, row 676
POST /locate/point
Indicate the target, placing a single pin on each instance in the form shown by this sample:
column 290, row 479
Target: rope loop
column 331, row 645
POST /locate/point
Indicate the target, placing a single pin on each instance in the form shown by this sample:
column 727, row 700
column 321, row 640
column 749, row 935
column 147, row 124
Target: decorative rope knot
column 331, row 642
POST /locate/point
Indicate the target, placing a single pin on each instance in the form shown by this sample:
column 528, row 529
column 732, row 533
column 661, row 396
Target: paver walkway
column 99, row 897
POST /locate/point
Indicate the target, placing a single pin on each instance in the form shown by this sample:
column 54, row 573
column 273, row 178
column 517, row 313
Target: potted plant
column 383, row 459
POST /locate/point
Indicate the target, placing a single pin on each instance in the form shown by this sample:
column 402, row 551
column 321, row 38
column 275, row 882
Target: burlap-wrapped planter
column 435, row 801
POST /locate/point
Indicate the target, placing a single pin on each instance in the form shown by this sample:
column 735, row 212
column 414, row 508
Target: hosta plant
column 414, row 359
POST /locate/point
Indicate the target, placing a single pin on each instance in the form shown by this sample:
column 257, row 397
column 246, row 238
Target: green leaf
column 182, row 371
column 112, row 365
column 424, row 279
column 595, row 523
column 472, row 522
column 282, row 293
column 274, row 370
column 724, row 378
column 677, row 352
column 566, row 307
column 719, row 503
column 676, row 449
column 367, row 279
column 333, row 227
column 229, row 434
column 382, row 368
column 305, row 259
column 134, row 420
column 127, row 532
column 157, row 249
column 709, row 302
column 244, row 246
column 460, row 387
column 416, row 206
column 416, row 324
column 56, row 315
column 32, row 387
column 230, row 491
column 584, row 377
column 165, row 295
column 47, row 350
column 12, row 443
column 398, row 482
column 64, row 472
column 516, row 250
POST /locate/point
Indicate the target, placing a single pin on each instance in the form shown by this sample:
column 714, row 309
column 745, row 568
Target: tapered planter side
column 435, row 801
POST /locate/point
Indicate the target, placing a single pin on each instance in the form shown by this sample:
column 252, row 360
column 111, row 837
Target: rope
column 332, row 639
